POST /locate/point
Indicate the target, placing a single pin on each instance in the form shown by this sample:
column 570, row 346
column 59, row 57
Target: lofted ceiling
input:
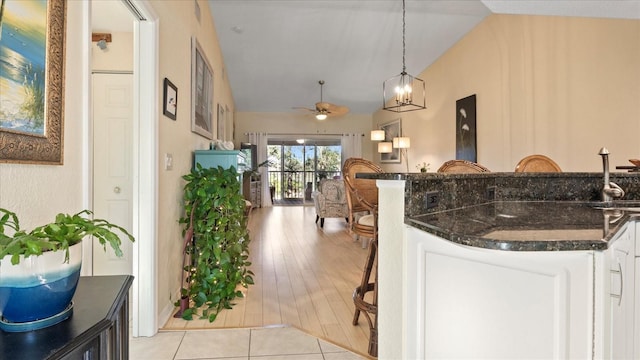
column 275, row 51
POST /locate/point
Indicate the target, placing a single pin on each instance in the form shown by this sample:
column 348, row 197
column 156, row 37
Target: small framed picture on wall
column 170, row 102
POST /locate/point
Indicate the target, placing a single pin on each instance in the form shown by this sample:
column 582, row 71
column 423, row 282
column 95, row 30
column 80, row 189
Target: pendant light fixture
column 377, row 135
column 403, row 92
column 403, row 143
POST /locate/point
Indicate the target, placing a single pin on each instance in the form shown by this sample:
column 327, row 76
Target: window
column 297, row 167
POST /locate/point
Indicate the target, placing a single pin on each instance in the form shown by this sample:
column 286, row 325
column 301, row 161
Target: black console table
column 97, row 329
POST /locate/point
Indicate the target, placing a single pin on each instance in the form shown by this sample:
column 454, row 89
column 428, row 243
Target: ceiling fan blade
column 326, row 108
column 320, row 106
column 336, row 110
column 303, row 108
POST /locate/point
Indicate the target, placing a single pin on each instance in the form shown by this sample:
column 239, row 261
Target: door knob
column 116, row 190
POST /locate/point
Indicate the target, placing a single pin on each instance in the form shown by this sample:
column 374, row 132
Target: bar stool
column 370, row 309
column 364, row 193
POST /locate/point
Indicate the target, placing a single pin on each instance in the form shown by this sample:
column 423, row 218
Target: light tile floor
column 273, row 343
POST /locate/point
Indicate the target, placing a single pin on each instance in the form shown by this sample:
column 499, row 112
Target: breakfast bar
column 529, row 225
column 506, row 266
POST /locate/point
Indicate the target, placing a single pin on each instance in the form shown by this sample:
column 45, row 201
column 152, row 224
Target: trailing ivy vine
column 219, row 250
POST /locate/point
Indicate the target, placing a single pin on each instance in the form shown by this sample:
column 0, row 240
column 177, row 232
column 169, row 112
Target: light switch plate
column 168, row 161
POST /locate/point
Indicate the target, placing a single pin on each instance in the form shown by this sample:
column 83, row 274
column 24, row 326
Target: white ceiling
column 275, row 51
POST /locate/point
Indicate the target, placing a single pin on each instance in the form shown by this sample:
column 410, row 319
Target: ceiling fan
column 325, row 109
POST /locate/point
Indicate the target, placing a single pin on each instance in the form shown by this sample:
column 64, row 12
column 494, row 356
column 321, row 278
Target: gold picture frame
column 26, row 147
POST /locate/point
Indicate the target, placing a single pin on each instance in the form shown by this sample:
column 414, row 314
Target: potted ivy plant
column 39, row 269
column 216, row 241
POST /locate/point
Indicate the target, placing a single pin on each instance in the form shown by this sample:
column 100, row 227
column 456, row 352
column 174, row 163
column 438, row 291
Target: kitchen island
column 539, row 274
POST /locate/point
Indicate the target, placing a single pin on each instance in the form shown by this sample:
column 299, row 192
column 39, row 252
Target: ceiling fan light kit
column 403, row 92
column 325, row 109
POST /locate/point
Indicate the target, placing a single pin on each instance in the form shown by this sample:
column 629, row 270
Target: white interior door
column 112, row 169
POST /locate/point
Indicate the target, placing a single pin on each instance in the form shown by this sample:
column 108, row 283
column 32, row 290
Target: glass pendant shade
column 321, row 116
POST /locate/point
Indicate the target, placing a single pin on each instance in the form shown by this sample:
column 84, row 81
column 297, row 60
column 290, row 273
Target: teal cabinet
column 224, row 158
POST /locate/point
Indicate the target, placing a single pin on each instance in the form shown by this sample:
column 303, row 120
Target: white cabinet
column 481, row 303
column 467, row 302
column 636, row 315
column 621, row 256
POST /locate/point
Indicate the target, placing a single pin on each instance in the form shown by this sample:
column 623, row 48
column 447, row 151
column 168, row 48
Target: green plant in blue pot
column 39, row 269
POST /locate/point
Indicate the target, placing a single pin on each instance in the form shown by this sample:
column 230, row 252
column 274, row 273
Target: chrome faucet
column 610, row 189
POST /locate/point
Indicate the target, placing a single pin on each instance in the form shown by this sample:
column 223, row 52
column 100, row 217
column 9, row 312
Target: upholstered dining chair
column 462, row 166
column 537, row 163
column 360, row 206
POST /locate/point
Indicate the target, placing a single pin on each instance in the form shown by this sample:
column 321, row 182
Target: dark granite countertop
column 528, row 225
column 517, row 211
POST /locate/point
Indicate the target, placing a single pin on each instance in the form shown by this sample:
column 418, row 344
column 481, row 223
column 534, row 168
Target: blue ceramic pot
column 39, row 286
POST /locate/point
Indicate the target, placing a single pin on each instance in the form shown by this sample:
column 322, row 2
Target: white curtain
column 260, row 140
column 351, row 146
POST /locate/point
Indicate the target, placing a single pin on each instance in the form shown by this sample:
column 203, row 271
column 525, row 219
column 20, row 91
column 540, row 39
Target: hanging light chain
column 403, row 84
column 403, row 92
column 404, row 25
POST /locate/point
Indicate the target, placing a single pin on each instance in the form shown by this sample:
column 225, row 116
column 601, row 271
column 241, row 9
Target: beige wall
column 38, row 192
column 558, row 86
column 117, row 57
column 178, row 24
column 296, row 123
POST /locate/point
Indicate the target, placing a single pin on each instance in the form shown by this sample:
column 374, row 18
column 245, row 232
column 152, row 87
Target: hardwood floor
column 304, row 277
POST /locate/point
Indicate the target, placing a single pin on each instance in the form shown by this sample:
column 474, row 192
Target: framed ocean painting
column 32, row 81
